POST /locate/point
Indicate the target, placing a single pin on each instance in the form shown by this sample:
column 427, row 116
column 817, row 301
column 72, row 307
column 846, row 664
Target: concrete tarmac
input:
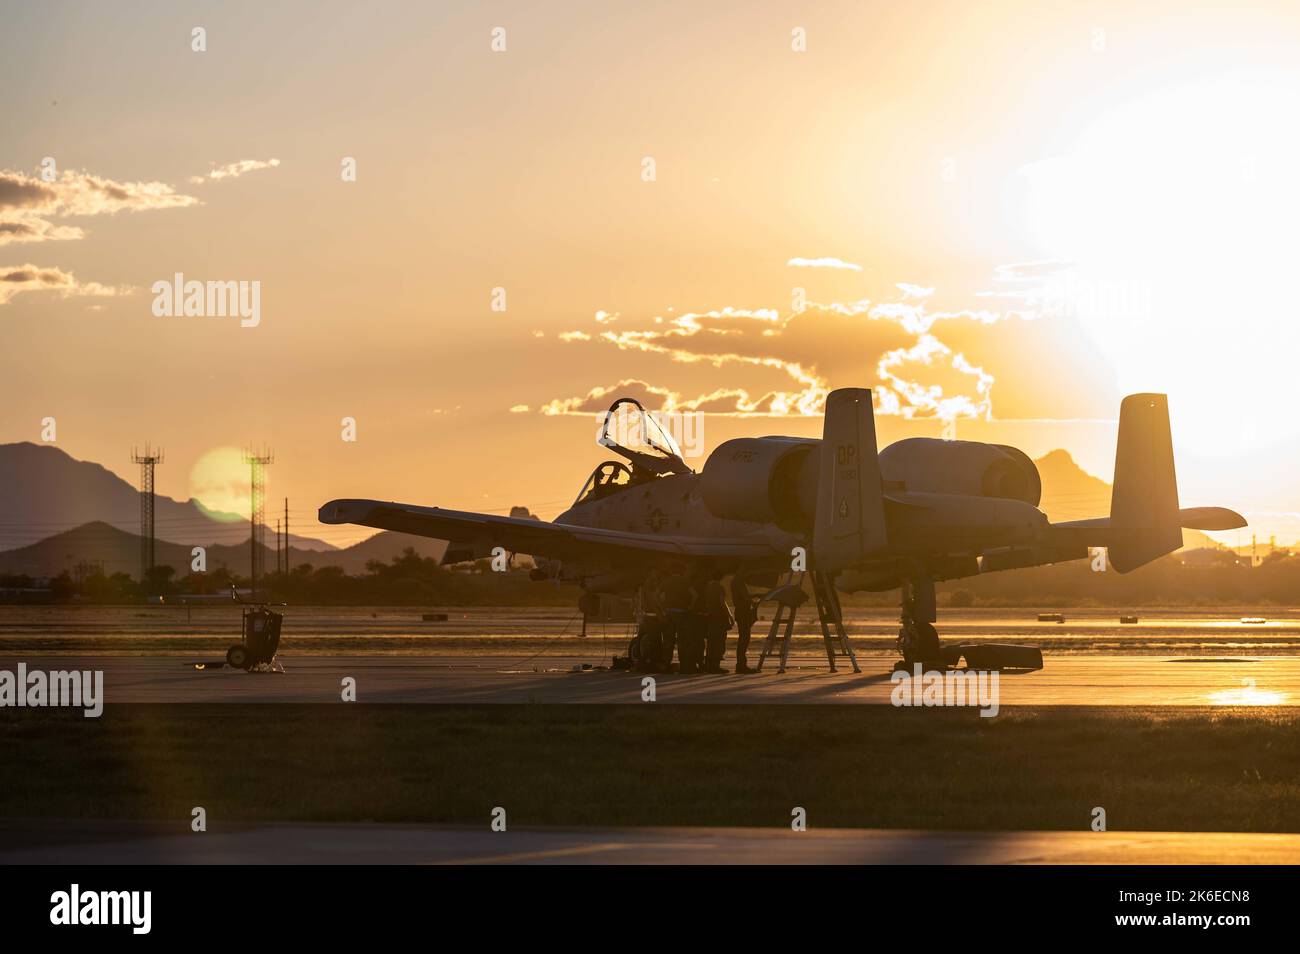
column 1084, row 680
column 84, row 843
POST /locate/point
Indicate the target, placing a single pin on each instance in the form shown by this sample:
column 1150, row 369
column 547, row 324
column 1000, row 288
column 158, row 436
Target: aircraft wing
column 473, row 535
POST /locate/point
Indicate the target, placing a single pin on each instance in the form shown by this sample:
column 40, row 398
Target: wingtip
column 342, row 511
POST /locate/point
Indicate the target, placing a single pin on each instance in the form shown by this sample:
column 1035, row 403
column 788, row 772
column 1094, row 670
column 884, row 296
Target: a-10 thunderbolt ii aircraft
column 920, row 511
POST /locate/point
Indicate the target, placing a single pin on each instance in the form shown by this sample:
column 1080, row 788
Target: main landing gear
column 918, row 640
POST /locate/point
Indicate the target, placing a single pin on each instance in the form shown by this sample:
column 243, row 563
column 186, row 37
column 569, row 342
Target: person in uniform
column 717, row 622
column 677, row 597
column 746, row 616
column 690, row 645
column 651, row 627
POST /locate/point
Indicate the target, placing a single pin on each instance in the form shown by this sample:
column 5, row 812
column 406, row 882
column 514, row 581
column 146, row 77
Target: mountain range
column 107, row 548
column 46, row 491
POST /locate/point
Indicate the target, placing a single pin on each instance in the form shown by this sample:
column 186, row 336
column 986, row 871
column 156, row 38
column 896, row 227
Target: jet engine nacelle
column 762, row 479
column 929, row 465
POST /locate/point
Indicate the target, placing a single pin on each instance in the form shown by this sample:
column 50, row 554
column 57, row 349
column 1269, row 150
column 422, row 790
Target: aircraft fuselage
column 946, row 531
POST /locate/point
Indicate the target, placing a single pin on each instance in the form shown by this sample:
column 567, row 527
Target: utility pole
column 257, row 463
column 277, row 546
column 146, row 459
column 286, row 536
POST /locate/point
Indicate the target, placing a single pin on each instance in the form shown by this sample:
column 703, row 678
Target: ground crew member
column 690, row 642
column 746, row 616
column 717, row 621
column 651, row 629
column 677, row 597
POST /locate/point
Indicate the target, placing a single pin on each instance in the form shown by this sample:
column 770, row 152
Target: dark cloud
column 19, row 192
column 16, row 279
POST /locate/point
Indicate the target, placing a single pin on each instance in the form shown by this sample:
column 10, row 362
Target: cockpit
column 607, row 478
column 636, row 435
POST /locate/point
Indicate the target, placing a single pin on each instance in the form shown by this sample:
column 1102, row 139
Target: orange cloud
column 27, row 203
column 16, row 279
column 817, row 347
column 233, row 170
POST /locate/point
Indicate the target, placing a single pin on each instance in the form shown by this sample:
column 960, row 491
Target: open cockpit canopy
column 631, row 431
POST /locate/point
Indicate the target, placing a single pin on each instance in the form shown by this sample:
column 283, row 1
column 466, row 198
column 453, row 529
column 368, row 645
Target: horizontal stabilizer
column 1210, row 518
column 1096, row 532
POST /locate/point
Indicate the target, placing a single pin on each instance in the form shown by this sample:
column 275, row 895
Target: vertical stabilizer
column 1144, row 517
column 850, row 521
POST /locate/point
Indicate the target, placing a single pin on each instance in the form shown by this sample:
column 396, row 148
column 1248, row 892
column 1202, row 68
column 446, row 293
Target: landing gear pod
column 989, row 657
column 1001, row 656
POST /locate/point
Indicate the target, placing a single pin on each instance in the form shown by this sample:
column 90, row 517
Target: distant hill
column 117, row 551
column 46, row 491
column 383, row 546
column 1071, row 493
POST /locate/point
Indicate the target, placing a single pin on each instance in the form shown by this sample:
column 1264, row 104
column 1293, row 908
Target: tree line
column 1214, row 578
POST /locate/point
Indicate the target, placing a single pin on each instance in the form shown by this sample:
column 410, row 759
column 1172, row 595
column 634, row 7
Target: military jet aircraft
column 919, row 511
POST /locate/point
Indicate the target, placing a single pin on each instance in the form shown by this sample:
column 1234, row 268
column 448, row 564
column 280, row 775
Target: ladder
column 831, row 615
column 789, row 596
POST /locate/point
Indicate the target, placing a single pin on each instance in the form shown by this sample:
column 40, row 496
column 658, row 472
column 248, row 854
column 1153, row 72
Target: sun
column 1176, row 214
column 219, row 484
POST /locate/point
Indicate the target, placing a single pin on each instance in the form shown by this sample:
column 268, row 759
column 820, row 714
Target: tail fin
column 850, row 522
column 1144, row 518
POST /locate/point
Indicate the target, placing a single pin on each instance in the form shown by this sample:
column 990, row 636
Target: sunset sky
column 1005, row 214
